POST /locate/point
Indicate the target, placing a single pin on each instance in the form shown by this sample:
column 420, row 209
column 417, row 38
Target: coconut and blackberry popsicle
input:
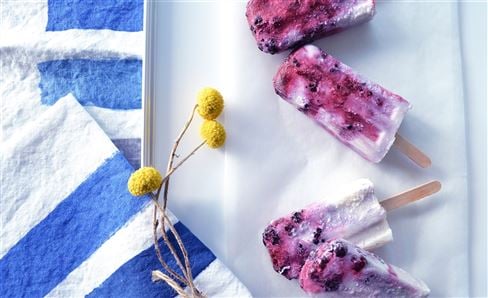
column 361, row 114
column 354, row 213
column 342, row 269
column 279, row 25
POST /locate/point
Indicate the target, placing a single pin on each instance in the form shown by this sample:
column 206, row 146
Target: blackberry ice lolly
column 354, row 214
column 361, row 114
column 339, row 268
column 279, row 25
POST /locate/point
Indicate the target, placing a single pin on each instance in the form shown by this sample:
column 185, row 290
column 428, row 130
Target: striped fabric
column 92, row 49
column 69, row 226
column 70, row 94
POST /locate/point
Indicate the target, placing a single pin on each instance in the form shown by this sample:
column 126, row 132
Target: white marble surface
column 238, row 195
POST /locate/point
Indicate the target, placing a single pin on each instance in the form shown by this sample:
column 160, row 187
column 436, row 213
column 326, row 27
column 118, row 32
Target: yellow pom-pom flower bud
column 144, row 181
column 213, row 133
column 210, row 103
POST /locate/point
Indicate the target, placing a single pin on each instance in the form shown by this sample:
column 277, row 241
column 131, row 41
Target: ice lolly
column 354, row 214
column 358, row 112
column 278, row 25
column 342, row 269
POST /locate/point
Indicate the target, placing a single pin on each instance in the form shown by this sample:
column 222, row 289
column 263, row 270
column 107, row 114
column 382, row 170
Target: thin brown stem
column 188, row 274
column 158, row 251
column 166, row 185
column 158, row 275
column 173, row 154
column 168, row 174
column 170, row 169
column 170, row 246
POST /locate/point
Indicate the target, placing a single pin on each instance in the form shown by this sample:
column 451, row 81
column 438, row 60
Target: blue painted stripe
column 118, row 15
column 133, row 279
column 71, row 232
column 112, row 84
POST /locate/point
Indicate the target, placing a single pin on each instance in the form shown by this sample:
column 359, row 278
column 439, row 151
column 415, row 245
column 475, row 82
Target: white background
column 192, row 47
column 474, row 52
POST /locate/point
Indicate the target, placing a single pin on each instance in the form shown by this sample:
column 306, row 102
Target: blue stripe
column 119, row 15
column 71, row 233
column 112, row 84
column 133, row 279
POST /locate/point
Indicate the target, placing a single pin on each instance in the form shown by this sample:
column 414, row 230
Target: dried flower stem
column 158, row 275
column 166, row 186
column 164, row 218
column 158, row 252
column 182, row 161
column 172, row 156
column 188, row 273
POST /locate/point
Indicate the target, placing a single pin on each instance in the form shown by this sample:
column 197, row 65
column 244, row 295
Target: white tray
column 269, row 166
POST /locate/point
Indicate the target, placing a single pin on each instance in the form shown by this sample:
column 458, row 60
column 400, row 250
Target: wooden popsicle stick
column 411, row 195
column 412, row 152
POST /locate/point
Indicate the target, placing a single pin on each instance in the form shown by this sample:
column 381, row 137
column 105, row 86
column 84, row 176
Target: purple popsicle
column 354, row 214
column 341, row 269
column 360, row 113
column 279, row 25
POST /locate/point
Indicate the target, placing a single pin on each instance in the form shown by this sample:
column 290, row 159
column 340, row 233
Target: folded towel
column 93, row 49
column 69, row 226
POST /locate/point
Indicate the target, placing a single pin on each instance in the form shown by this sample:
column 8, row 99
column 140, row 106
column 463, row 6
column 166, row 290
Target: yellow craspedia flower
column 210, row 103
column 144, row 181
column 213, row 133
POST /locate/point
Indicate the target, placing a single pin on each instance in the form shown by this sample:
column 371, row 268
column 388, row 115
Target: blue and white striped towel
column 69, row 226
column 93, row 49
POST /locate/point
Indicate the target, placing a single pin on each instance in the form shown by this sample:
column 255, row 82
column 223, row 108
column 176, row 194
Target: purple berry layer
column 342, row 269
column 279, row 25
column 361, row 114
column 354, row 214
